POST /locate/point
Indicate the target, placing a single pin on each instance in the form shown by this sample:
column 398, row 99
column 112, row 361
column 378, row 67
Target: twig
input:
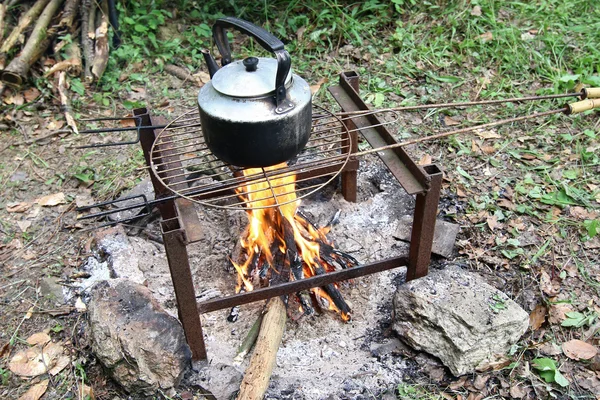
column 182, row 73
column 2, row 15
column 37, row 139
column 73, row 63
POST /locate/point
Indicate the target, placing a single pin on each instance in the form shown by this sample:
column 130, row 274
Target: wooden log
column 68, row 16
column 2, row 19
column 257, row 375
column 26, row 20
column 87, row 8
column 100, row 61
column 183, row 73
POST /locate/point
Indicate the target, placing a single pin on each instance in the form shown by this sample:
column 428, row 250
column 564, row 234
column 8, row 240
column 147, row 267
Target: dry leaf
column 473, row 396
column 547, row 286
column 31, row 94
column 492, row 222
column 425, row 160
column 449, row 121
column 579, row 350
column 52, row 200
column 315, row 88
column 202, row 77
column 4, row 350
column 61, row 363
column 496, row 364
column 537, row 317
column 36, row 360
column 54, row 125
column 80, row 305
column 485, row 37
column 550, row 349
column 518, row 392
column 36, row 391
column 24, row 225
column 487, row 135
column 127, row 122
column 476, row 11
column 475, row 147
column 38, row 338
column 18, row 207
column 556, row 313
column 16, row 99
column 86, row 392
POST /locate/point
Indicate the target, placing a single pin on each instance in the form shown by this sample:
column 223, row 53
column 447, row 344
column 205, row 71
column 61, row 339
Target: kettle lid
column 251, row 77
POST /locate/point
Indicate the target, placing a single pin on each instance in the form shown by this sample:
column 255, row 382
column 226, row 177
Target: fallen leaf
column 557, row 312
column 315, row 88
column 476, row 11
column 550, row 349
column 54, row 125
column 31, row 94
column 485, row 37
column 36, row 360
column 52, row 200
column 509, row 205
column 61, row 363
column 492, row 222
column 579, row 350
column 36, row 391
column 202, row 76
column 518, row 392
column 537, row 317
column 4, row 350
column 24, row 225
column 38, row 338
column 473, row 396
column 458, row 384
column 498, row 363
column 86, row 392
column 480, row 381
column 127, row 121
column 547, row 286
column 487, row 135
column 425, row 160
column 450, row 122
column 18, row 207
column 16, row 99
column 80, row 305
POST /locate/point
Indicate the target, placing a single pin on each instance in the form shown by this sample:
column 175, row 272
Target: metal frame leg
column 423, row 227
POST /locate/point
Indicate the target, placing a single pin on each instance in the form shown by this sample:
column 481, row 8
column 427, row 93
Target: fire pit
column 270, row 196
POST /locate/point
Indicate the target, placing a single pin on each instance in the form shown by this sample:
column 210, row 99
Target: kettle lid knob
column 250, row 63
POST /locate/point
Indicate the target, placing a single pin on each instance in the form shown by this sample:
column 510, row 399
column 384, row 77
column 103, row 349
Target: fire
column 280, row 245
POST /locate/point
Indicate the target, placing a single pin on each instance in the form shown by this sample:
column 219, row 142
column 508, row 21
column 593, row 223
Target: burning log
column 257, row 375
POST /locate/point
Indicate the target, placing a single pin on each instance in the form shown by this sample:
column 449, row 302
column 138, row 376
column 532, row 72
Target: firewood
column 2, row 16
column 68, row 16
column 101, row 46
column 30, row 16
column 87, row 9
column 183, row 73
column 64, row 100
column 257, row 375
column 73, row 63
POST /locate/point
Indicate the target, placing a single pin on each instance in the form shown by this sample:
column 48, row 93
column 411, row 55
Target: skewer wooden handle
column 590, row 93
column 583, row 105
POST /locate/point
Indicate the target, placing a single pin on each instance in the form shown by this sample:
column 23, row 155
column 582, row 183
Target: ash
column 321, row 357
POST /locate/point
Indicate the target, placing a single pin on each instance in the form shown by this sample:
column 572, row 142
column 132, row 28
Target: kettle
column 254, row 112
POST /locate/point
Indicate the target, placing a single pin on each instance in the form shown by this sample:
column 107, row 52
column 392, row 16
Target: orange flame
column 266, row 229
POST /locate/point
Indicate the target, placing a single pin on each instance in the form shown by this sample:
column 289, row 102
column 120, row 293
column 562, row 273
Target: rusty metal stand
column 180, row 225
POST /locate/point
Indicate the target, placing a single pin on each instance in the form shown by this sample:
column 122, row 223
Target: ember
column 281, row 244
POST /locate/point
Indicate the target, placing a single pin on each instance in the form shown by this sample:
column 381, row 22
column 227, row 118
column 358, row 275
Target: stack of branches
column 35, row 28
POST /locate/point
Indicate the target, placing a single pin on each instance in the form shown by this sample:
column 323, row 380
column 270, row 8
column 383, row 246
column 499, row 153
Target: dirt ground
column 505, row 236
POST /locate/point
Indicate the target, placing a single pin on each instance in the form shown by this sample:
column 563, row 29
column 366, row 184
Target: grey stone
column 50, row 288
column 142, row 347
column 457, row 317
column 443, row 238
column 219, row 380
column 143, row 188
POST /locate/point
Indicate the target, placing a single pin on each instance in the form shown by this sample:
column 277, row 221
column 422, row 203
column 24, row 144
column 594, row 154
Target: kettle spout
column 210, row 62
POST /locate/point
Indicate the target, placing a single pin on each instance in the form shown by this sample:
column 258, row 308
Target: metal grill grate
column 182, row 162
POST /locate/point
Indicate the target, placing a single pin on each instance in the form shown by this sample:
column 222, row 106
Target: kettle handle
column 266, row 39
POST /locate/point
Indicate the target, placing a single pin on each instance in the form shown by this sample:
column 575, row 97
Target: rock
column 457, row 317
column 143, row 348
column 51, row 289
column 144, row 188
column 443, row 238
column 221, row 381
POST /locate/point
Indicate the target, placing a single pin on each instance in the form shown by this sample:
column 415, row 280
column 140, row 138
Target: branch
column 101, row 48
column 87, row 16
